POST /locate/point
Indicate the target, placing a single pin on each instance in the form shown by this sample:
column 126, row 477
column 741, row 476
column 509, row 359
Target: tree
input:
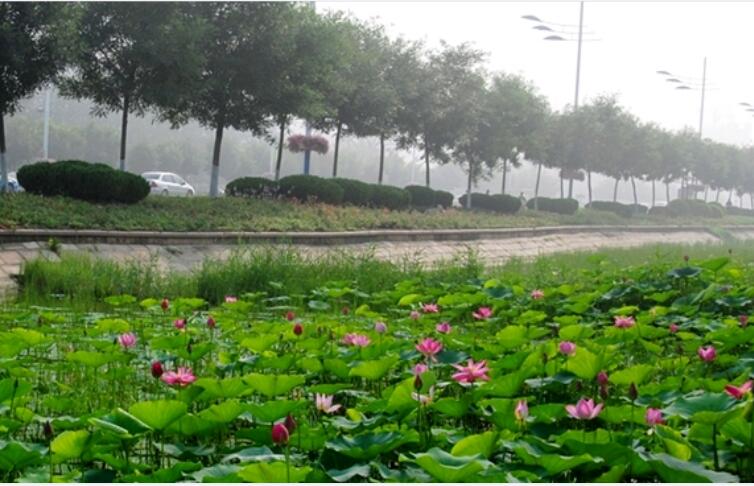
column 131, row 56
column 243, row 42
column 428, row 114
column 32, row 36
column 308, row 67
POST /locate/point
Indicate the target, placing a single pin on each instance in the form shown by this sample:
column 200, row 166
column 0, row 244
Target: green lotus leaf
column 273, row 385
column 446, row 467
column 158, row 414
column 371, row 444
column 273, row 472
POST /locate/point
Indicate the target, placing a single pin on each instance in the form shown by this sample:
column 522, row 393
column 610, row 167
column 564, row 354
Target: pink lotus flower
column 179, row 323
column 290, row 423
column 654, row 417
column 165, row 304
column 430, row 308
column 471, row 372
column 127, row 340
column 567, row 348
column 419, row 369
column 521, row 411
column 298, row 329
column 673, row 328
column 443, row 328
column 324, row 403
column 707, row 353
column 380, row 327
column 157, row 369
column 415, row 315
column 280, row 434
column 345, row 310
column 230, row 299
column 743, row 320
column 429, row 348
column 211, row 323
column 537, row 294
column 352, row 339
column 624, row 322
column 584, row 409
column 738, row 392
column 182, row 377
column 290, row 315
column 482, row 313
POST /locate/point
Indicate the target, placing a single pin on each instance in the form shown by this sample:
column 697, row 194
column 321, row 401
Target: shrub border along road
column 326, row 238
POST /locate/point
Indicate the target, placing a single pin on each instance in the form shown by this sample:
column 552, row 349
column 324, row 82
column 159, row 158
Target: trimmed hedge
column 694, row 208
column 499, row 203
column 389, row 197
column 311, row 188
column 734, row 211
column 559, row 206
column 421, row 196
column 252, row 187
column 624, row 210
column 444, row 199
column 77, row 179
column 354, row 192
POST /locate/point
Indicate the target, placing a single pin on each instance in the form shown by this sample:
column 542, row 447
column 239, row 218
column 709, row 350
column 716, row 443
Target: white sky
column 635, row 40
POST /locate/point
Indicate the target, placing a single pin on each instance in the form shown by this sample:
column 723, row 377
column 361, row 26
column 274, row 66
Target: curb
column 325, row 238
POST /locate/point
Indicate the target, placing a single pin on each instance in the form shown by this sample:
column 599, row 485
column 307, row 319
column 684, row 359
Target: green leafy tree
column 32, row 36
column 132, row 56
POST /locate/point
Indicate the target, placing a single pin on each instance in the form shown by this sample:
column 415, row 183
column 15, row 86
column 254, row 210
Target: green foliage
column 355, row 192
column 421, row 197
column 499, row 203
column 444, row 199
column 389, row 197
column 82, row 180
column 560, row 206
column 693, row 207
column 252, row 187
column 307, row 188
column 624, row 210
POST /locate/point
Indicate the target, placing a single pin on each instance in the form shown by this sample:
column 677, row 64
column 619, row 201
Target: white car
column 167, row 184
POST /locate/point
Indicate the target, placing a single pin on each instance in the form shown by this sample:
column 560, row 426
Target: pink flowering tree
column 302, row 143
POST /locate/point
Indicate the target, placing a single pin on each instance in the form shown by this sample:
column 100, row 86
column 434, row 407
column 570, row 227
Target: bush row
column 340, row 191
column 734, row 211
column 560, row 206
column 83, row 180
column 499, row 203
column 625, row 210
column 689, row 208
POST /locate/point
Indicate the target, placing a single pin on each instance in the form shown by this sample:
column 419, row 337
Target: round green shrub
column 355, row 192
column 259, row 187
column 421, row 197
column 94, row 182
column 694, row 208
column 551, row 205
column 499, row 203
column 444, row 199
column 311, row 188
column 613, row 207
column 390, row 197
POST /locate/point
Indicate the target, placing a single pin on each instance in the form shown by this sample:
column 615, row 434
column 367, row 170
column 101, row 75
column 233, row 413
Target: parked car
column 167, row 184
column 13, row 185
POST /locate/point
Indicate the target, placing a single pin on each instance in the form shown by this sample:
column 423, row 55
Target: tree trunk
column 741, row 201
column 123, row 132
column 751, row 200
column 280, row 150
column 3, row 164
column 426, row 159
column 570, row 188
column 667, row 192
column 633, row 186
column 337, row 147
column 536, row 187
column 468, row 186
column 562, row 192
column 653, row 193
column 505, row 172
column 382, row 157
column 706, row 192
column 589, row 184
column 216, row 158
column 615, row 189
column 717, row 197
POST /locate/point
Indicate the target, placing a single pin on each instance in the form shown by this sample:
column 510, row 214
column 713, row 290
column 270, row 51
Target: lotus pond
column 641, row 374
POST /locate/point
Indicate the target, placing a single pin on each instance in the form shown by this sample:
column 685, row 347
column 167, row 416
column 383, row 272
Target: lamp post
column 685, row 83
column 307, row 152
column 560, row 33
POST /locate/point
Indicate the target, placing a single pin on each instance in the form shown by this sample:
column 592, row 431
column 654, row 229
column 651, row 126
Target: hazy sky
column 635, row 39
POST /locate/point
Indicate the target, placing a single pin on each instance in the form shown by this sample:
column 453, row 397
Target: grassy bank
column 287, row 272
column 237, row 214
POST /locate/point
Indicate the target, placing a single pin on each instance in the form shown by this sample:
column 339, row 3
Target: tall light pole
column 307, row 152
column 46, row 141
column 568, row 34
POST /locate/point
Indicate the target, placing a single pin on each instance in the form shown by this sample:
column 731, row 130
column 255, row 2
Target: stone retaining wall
column 184, row 252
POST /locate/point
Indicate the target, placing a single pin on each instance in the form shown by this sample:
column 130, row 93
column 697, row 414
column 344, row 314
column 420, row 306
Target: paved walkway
column 503, row 246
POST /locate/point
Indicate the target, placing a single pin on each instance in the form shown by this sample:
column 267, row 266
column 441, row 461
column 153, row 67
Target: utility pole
column 307, row 153
column 46, row 141
column 704, row 86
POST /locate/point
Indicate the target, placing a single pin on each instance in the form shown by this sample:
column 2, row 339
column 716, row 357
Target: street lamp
column 562, row 33
column 308, row 153
column 685, row 83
